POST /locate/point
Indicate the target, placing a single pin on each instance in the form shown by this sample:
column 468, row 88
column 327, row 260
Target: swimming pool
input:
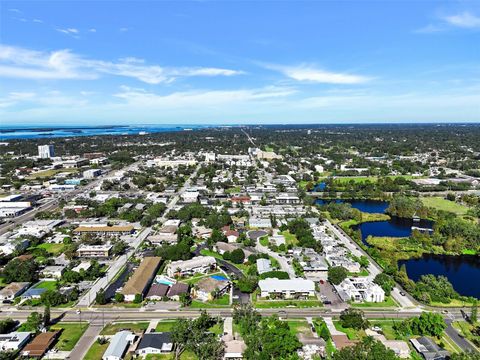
column 219, row 277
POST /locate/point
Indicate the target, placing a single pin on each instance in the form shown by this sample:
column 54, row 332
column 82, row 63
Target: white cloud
column 430, row 29
column 123, row 29
column 92, row 30
column 308, row 73
column 69, row 31
column 463, row 20
column 15, row 11
column 63, row 64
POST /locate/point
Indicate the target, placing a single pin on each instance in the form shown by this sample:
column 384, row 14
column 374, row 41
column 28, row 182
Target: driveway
column 457, row 338
column 284, row 265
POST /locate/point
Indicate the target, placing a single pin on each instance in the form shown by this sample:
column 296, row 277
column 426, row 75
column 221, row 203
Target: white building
column 118, row 345
column 92, row 173
column 14, row 341
column 199, row 264
column 263, row 266
column 359, row 289
column 288, row 288
column 46, row 151
column 190, row 196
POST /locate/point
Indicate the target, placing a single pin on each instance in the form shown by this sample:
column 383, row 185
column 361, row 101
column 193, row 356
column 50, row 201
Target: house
column 232, row 235
column 14, row 341
column 94, row 251
column 429, row 349
column 85, row 266
column 119, row 345
column 264, row 266
column 199, row 264
column 222, row 247
column 210, row 287
column 40, row 344
column 155, row 343
column 167, row 234
column 141, row 278
column 53, row 271
column 12, row 290
column 234, row 347
column 176, row 290
column 157, row 292
column 33, row 293
column 262, row 223
column 190, row 196
column 360, row 289
column 287, row 288
column 399, row 347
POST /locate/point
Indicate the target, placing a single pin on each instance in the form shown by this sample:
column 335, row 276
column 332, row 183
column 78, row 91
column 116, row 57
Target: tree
column 237, row 256
column 428, row 323
column 46, row 315
column 52, row 298
column 185, row 300
column 138, row 299
column 119, row 247
column 247, row 284
column 20, row 270
column 101, row 298
column 33, row 323
column 119, row 297
column 385, row 282
column 368, row 349
column 353, row 318
column 474, row 312
column 7, row 325
column 465, row 356
column 336, row 274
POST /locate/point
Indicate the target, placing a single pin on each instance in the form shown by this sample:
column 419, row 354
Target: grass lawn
column 71, row 333
column 440, row 203
column 96, row 351
column 187, row 355
column 270, row 304
column 363, row 272
column 300, row 327
column 54, row 249
column 112, row 329
column 233, row 190
column 50, row 173
column 207, row 252
column 389, row 302
column 289, row 238
column 361, row 179
column 49, row 285
column 453, row 303
column 220, row 302
column 217, row 329
column 194, row 279
column 165, row 325
column 352, row 334
column 264, row 240
column 387, row 328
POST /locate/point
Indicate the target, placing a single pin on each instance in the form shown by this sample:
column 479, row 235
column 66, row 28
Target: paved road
column 281, row 260
column 461, row 342
column 85, row 342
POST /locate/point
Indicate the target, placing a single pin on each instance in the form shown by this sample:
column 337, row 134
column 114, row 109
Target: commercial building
column 14, row 341
column 105, row 230
column 287, row 288
column 46, row 151
column 118, row 345
column 359, row 289
column 92, row 173
column 94, row 251
column 199, row 264
column 141, row 278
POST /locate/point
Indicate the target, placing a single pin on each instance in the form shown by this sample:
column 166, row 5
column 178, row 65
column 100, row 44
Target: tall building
column 45, row 151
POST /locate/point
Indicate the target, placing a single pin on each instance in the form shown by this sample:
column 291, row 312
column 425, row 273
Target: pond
column 395, row 227
column 463, row 271
column 367, row 206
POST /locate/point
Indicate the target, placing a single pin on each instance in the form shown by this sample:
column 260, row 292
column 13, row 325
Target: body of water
column 367, row 206
column 395, row 227
column 8, row 133
column 461, row 271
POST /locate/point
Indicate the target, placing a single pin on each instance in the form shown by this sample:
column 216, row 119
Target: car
column 402, row 293
column 327, row 302
column 444, row 311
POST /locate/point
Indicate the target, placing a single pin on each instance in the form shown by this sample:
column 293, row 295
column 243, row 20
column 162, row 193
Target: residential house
column 210, row 287
column 264, row 266
column 155, row 343
column 157, row 291
column 199, row 264
column 176, row 290
column 40, row 344
column 53, row 271
column 234, row 346
column 119, row 345
column 12, row 290
column 429, row 349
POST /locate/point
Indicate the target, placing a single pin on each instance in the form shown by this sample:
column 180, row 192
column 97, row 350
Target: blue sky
column 228, row 62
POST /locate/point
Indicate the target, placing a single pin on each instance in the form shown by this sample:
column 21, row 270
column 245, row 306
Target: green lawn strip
column 71, row 333
column 222, row 301
column 165, row 325
column 389, row 302
column 112, row 329
column 440, row 203
column 300, row 327
column 352, row 334
column 270, row 304
column 363, row 272
column 449, row 344
column 465, row 329
column 49, row 285
column 387, row 327
column 186, row 355
column 96, row 351
column 453, row 303
column 194, row 279
column 233, row 190
column 207, row 252
column 264, row 240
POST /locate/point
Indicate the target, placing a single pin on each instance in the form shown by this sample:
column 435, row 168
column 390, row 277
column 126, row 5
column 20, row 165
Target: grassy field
column 165, row 325
column 274, row 304
column 54, row 249
column 207, row 252
column 352, row 334
column 96, row 351
column 233, row 190
column 361, row 179
column 440, row 203
column 112, row 329
column 289, row 238
column 187, row 355
column 71, row 333
column 387, row 327
column 49, row 285
column 49, row 173
column 300, row 327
